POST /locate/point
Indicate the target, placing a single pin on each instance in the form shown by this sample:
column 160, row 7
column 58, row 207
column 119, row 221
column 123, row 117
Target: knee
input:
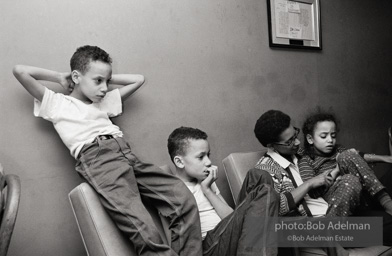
column 254, row 178
column 274, row 200
column 346, row 155
column 352, row 183
column 265, row 178
column 351, row 179
column 265, row 191
column 275, row 197
column 186, row 199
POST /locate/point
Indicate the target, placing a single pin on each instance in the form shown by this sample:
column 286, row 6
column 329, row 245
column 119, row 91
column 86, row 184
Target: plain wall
column 208, row 65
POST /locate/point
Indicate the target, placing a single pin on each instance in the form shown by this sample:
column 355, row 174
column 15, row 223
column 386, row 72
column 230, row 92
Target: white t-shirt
column 208, row 216
column 79, row 123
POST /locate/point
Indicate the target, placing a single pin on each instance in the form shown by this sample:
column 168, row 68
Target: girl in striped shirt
column 322, row 154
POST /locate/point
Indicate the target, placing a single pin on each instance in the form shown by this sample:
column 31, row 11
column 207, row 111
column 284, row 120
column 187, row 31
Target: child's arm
column 373, row 158
column 130, row 82
column 217, row 201
column 334, row 172
column 315, row 182
column 307, row 172
column 29, row 77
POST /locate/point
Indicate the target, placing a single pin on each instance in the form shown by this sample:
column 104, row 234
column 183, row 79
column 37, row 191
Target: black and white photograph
column 190, row 128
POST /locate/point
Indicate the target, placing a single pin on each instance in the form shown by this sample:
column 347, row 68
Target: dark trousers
column 374, row 209
column 120, row 179
column 246, row 231
column 263, row 177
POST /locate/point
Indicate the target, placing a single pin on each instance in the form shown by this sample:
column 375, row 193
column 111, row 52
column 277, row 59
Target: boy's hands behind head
column 211, row 177
column 66, row 81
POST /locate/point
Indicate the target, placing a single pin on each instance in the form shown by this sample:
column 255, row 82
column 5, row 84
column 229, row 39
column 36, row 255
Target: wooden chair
column 10, row 189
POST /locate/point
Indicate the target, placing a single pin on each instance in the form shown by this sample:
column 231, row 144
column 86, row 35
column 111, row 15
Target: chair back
column 10, row 190
column 100, row 235
column 236, row 165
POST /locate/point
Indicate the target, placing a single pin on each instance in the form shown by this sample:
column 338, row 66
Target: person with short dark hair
column 279, row 167
column 104, row 157
column 242, row 231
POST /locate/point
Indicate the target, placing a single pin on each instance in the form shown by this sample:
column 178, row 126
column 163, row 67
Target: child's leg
column 253, row 179
column 104, row 165
column 351, row 162
column 343, row 197
column 246, row 230
column 173, row 200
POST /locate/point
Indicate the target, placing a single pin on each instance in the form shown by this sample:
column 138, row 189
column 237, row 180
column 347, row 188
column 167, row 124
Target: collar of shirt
column 280, row 159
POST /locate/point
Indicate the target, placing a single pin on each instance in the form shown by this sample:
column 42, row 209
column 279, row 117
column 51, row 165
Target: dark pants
column 262, row 177
column 246, row 231
column 374, row 209
column 120, row 178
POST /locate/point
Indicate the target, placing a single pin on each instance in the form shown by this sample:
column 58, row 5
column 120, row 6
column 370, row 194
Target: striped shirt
column 310, row 167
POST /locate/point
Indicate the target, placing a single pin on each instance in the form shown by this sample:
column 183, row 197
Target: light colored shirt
column 209, row 218
column 76, row 122
column 317, row 206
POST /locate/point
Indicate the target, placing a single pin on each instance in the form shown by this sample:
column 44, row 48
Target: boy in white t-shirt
column 243, row 231
column 105, row 159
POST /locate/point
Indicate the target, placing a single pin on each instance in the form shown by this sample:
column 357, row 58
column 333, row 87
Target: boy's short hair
column 270, row 126
column 178, row 140
column 81, row 59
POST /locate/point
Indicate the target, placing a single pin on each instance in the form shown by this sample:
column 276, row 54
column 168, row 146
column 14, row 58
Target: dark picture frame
column 294, row 24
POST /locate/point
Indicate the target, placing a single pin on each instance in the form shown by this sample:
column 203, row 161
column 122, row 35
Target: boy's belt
column 99, row 137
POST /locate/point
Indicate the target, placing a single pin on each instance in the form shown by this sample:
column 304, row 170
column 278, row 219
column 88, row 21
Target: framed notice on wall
column 294, row 24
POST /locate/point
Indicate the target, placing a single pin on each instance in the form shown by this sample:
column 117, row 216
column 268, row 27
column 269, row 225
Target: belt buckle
column 105, row 136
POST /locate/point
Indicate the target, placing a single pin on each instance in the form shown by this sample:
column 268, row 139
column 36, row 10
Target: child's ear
column 178, row 162
column 75, row 76
column 309, row 139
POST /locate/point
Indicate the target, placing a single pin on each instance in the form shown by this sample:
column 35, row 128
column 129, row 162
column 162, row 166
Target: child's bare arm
column 30, row 76
column 217, row 201
column 373, row 158
column 130, row 82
